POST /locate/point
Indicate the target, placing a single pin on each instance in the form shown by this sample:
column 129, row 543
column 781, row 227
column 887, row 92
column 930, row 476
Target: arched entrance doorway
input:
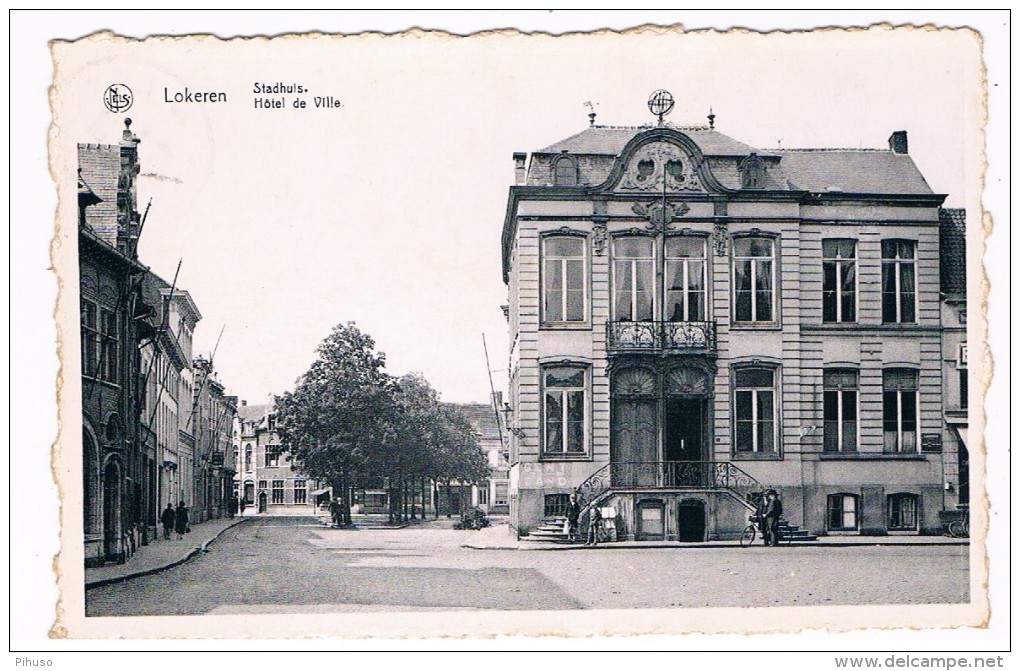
column 90, row 482
column 262, row 502
column 111, row 512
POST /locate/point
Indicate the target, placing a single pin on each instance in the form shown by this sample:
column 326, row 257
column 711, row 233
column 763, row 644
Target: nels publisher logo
column 118, row 98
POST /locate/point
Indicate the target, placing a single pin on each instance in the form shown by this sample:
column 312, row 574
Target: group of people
column 768, row 515
column 175, row 520
column 235, row 506
column 770, row 510
column 595, row 530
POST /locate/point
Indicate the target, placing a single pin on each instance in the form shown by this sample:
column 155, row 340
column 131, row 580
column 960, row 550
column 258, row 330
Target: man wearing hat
column 771, row 512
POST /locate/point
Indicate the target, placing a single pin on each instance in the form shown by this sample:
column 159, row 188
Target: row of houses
column 157, row 424
column 693, row 320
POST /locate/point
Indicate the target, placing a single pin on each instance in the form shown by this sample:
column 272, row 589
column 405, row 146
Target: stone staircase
column 549, row 531
column 794, row 533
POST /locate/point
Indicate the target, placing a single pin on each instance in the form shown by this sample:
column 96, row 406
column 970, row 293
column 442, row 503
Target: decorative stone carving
column 657, row 162
column 598, row 231
column 721, row 239
column 659, row 218
column 687, row 382
column 634, row 382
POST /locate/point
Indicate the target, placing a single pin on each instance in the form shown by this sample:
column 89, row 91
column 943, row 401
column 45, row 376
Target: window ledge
column 555, row 456
column 751, row 456
column 765, row 326
column 870, row 456
column 565, row 326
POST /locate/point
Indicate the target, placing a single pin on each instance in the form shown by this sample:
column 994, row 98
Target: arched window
column 841, row 512
column 247, row 457
column 752, row 172
column 565, row 172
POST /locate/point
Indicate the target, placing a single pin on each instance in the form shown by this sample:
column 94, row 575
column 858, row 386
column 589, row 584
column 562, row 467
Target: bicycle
column 960, row 528
column 753, row 530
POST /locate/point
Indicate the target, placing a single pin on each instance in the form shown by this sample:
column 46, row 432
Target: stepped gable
column 953, row 251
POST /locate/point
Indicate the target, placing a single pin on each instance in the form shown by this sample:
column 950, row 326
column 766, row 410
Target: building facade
column 212, row 420
column 493, row 496
column 955, row 379
column 693, row 320
column 114, row 457
column 267, row 479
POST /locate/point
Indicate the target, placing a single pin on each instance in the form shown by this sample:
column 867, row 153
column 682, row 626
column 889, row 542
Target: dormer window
column 565, row 171
column 752, row 172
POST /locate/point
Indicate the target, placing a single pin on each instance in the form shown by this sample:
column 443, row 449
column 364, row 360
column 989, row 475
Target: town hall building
column 693, row 320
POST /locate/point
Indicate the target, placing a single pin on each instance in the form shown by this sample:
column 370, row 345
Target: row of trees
column 351, row 424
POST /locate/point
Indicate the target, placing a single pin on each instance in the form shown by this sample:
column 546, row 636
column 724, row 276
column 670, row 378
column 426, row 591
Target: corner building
column 693, row 320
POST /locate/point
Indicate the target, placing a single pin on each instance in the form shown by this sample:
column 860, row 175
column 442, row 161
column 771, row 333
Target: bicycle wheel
column 747, row 537
column 957, row 529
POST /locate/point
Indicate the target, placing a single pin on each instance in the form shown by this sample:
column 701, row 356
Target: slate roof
column 99, row 166
column 610, row 141
column 853, row 171
column 953, row 251
column 252, row 413
column 871, row 171
column 482, row 418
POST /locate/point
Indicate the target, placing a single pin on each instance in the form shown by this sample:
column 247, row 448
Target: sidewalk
column 499, row 537
column 161, row 554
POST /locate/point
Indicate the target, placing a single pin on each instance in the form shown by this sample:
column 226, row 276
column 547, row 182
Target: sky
column 387, row 210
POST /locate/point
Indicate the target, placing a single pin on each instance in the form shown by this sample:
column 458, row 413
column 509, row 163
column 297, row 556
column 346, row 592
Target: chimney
column 898, row 142
column 244, row 402
column 519, row 167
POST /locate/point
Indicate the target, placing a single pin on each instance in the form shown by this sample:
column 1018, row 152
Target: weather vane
column 661, row 103
column 591, row 111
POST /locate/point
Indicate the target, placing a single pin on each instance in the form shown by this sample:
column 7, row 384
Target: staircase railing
column 723, row 475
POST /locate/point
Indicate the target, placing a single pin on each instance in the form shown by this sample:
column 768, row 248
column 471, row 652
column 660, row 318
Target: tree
column 340, row 411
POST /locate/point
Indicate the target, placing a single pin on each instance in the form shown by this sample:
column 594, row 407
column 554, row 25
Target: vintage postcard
column 654, row 331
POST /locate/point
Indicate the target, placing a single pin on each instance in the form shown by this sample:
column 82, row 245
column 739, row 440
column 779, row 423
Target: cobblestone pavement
column 294, row 565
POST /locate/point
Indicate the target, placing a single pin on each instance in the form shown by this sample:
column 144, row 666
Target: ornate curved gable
column 662, row 155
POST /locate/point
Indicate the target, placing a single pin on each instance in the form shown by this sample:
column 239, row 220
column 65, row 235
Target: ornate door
column 634, row 447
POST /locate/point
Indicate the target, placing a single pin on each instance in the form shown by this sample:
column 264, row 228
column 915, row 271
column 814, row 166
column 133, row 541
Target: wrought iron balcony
column 676, row 475
column 661, row 336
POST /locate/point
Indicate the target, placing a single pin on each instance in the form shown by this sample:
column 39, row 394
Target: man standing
column 573, row 515
column 772, row 512
column 594, row 526
column 167, row 520
column 181, row 520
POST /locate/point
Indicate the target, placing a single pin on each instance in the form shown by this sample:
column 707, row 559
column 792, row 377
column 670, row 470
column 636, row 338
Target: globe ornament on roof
column 661, row 103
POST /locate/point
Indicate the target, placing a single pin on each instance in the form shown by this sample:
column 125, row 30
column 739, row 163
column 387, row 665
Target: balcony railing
column 658, row 336
column 630, row 475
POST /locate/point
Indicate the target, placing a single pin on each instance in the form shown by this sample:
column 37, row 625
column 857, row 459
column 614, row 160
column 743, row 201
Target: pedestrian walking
column 233, row 506
column 771, row 512
column 243, row 503
column 181, row 520
column 167, row 520
column 573, row 516
column 594, row 526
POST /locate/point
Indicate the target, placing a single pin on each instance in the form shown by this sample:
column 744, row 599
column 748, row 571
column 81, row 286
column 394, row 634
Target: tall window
column 483, row 495
column 633, row 278
column 898, row 292
column 899, row 410
column 841, row 512
column 111, row 345
column 89, row 339
column 247, row 457
column 564, row 410
column 961, row 366
column 277, row 491
column 685, row 279
column 754, row 279
column 272, row 455
column 839, row 281
column 563, row 290
column 502, row 494
column 565, row 172
column 300, row 492
column 902, row 509
column 840, row 411
column 755, row 410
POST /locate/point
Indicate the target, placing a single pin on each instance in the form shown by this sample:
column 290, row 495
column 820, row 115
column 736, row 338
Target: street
column 294, row 565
